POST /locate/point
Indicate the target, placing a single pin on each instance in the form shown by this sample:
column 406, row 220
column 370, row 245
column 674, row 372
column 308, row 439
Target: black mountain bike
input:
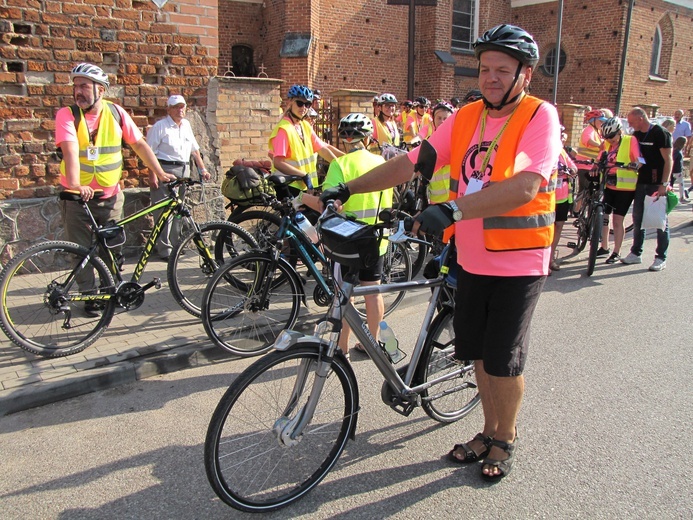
column 43, row 309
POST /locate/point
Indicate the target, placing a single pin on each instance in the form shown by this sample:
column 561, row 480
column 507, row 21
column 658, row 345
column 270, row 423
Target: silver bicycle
column 283, row 423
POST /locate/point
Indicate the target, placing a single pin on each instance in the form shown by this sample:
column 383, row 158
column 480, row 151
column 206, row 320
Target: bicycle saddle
column 76, row 196
column 281, row 179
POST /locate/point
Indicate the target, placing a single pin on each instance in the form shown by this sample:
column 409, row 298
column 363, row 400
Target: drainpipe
column 559, row 29
column 624, row 56
column 410, row 61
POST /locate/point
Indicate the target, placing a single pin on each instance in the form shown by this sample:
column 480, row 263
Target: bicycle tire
column 396, row 268
column 595, row 237
column 262, row 226
column 451, row 400
column 248, row 465
column 237, row 316
column 34, row 314
column 189, row 270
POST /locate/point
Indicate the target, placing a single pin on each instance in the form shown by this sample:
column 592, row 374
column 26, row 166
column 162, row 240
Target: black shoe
column 603, row 252
column 93, row 309
column 615, row 257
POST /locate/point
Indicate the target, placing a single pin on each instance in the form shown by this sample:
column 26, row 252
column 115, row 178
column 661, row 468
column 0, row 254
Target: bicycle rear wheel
column 595, row 237
column 249, row 301
column 449, row 401
column 262, row 225
column 43, row 316
column 250, row 464
column 396, row 269
column 195, row 259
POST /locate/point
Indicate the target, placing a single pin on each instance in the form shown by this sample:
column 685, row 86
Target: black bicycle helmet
column 455, row 102
column 511, row 40
column 421, row 102
column 515, row 42
column 472, row 95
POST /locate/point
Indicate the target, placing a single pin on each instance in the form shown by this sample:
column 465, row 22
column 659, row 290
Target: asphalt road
column 604, row 429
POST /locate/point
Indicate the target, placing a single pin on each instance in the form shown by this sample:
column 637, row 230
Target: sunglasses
column 302, row 104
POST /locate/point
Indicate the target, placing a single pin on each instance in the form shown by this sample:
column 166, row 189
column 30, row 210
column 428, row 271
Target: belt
column 172, row 163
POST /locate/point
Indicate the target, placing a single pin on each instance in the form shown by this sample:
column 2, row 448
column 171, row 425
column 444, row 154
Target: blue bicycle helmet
column 300, row 91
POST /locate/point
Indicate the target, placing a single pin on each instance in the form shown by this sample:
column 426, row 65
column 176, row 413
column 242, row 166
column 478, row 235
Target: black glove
column 435, row 218
column 339, row 192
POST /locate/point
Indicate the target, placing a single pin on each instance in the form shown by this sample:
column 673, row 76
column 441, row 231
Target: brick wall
column 148, row 54
column 243, row 111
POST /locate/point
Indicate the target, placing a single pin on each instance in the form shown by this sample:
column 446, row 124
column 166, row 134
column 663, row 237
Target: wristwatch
column 456, row 212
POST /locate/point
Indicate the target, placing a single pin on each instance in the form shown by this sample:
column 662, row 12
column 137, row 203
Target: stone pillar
column 242, row 112
column 346, row 101
column 571, row 117
column 650, row 110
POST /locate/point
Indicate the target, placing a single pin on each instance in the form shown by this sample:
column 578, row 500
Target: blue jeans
column 639, row 234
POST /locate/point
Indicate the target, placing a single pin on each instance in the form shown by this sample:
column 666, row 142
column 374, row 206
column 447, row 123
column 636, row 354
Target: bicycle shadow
column 182, row 484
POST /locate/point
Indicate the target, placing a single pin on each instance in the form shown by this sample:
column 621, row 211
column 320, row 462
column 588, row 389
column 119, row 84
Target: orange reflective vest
column 531, row 225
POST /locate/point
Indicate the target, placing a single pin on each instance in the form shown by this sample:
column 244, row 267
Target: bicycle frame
column 169, row 206
column 343, row 308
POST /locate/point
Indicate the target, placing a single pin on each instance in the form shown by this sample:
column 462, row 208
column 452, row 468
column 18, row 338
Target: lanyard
column 487, row 157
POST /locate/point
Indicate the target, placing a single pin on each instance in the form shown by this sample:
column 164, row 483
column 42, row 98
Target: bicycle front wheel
column 249, row 301
column 453, row 399
column 197, row 257
column 252, row 461
column 43, row 309
column 262, row 225
column 396, row 269
column 595, row 237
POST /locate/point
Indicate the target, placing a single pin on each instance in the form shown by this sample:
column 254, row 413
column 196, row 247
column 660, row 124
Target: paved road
column 604, row 428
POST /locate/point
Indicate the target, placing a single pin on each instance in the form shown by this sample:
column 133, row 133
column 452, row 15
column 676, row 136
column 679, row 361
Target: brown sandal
column 469, row 454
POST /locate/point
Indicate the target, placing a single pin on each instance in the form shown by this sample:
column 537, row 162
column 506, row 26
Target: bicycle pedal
column 571, row 245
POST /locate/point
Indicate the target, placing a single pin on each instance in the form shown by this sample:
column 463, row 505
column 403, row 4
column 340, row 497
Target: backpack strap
column 77, row 114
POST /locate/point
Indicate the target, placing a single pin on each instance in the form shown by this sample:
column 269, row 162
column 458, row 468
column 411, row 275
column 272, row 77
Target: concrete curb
column 116, row 374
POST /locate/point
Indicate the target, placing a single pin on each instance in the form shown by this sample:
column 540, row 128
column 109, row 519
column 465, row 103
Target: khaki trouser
column 78, row 228
column 170, row 233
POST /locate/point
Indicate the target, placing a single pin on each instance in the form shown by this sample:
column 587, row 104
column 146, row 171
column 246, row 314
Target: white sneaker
column 631, row 259
column 658, row 264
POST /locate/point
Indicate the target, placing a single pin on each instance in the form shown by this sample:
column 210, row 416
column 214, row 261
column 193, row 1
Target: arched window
column 242, row 61
column 464, row 24
column 656, row 52
column 549, row 66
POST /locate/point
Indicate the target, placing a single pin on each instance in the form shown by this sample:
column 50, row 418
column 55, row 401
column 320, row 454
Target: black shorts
column 617, row 201
column 492, row 319
column 372, row 274
column 562, row 209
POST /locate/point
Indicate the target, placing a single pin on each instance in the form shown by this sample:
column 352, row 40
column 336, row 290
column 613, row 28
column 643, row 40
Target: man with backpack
column 90, row 135
column 173, row 142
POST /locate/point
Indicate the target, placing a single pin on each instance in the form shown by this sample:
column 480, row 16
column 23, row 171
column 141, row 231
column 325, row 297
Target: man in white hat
column 173, row 142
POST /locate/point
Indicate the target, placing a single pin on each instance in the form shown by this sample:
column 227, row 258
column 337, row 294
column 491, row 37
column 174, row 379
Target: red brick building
column 150, row 53
column 362, row 44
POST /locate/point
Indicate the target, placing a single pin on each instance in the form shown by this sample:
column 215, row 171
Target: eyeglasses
column 302, row 104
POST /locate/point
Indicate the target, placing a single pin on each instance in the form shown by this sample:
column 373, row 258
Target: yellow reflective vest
column 303, row 156
column 383, row 134
column 439, row 187
column 364, row 206
column 107, row 168
column 625, row 179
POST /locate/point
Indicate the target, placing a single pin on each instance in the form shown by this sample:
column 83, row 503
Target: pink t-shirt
column 280, row 143
column 537, row 153
column 65, row 132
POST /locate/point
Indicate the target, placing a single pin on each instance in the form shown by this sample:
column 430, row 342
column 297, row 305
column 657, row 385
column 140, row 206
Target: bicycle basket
column 352, row 243
column 113, row 235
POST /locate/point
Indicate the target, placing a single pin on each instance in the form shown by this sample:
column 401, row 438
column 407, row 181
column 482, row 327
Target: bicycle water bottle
column 389, row 342
column 305, row 226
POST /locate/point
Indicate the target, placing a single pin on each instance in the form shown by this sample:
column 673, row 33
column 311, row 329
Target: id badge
column 92, row 153
column 474, row 186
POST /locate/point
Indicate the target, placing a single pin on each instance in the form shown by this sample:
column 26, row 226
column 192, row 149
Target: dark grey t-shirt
column 651, row 142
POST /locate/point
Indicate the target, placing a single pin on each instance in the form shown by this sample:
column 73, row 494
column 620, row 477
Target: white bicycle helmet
column 92, row 72
column 387, row 98
column 355, row 126
column 611, row 127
